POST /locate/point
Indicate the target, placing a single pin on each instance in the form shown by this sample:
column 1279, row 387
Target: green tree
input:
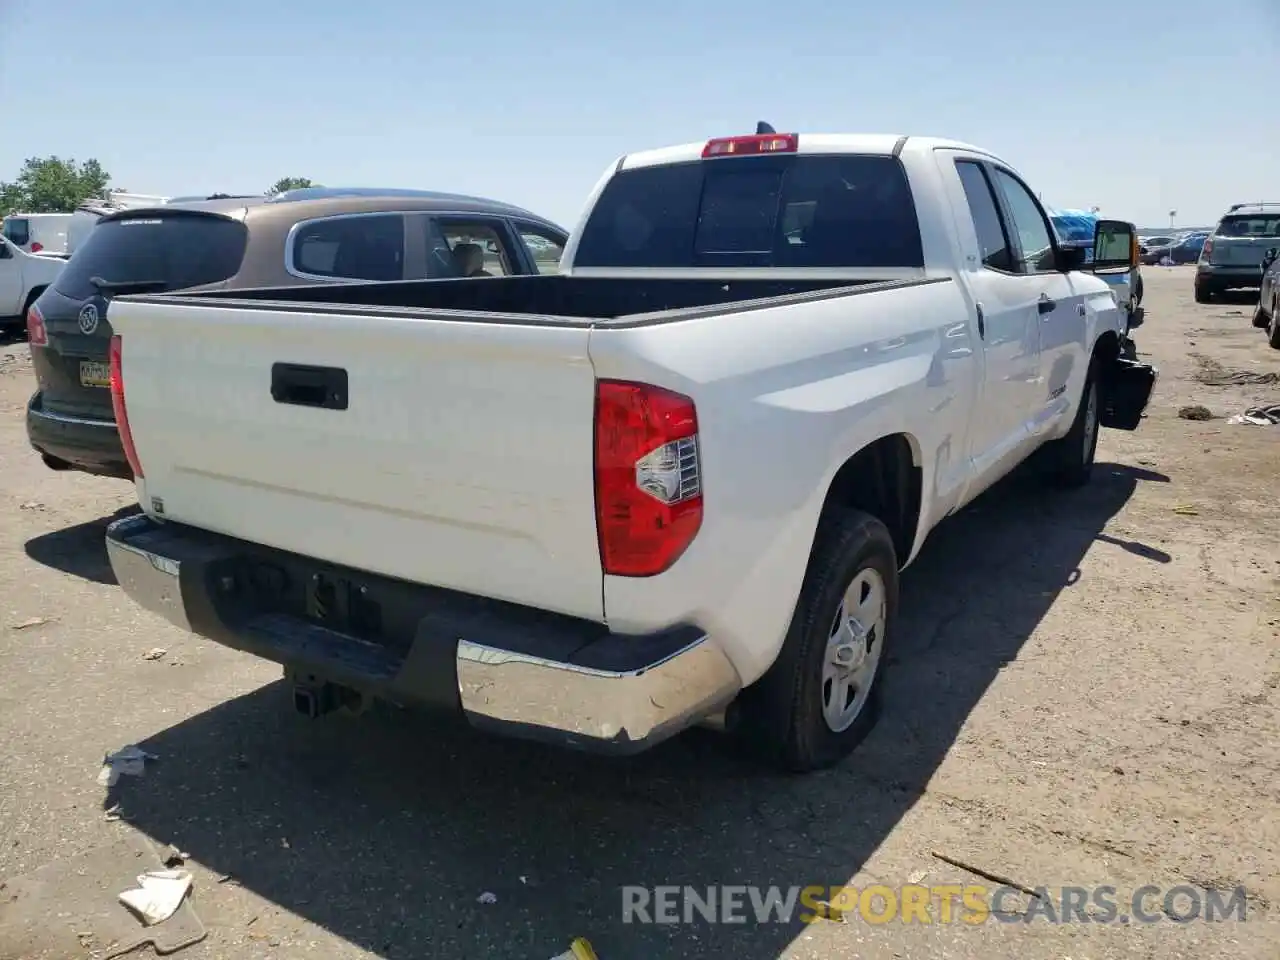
column 289, row 183
column 52, row 185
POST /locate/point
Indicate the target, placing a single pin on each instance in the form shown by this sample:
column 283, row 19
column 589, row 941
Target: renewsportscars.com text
column 970, row 904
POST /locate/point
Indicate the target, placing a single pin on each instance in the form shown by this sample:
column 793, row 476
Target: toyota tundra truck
column 675, row 482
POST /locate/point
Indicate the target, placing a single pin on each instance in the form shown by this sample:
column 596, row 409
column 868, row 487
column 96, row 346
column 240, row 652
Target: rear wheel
column 1069, row 460
column 822, row 695
column 1260, row 318
column 1273, row 329
column 1203, row 294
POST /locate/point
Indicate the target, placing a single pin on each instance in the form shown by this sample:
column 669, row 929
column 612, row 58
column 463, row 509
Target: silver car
column 1231, row 258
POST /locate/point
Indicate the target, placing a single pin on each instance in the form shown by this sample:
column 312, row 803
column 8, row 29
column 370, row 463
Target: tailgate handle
column 306, row 386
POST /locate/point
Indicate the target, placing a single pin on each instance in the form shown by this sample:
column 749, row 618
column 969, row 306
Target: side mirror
column 1115, row 246
column 1270, row 257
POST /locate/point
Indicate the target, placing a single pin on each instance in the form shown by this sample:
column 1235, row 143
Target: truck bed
column 539, row 299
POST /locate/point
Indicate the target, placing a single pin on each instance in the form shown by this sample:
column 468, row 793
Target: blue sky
column 1137, row 108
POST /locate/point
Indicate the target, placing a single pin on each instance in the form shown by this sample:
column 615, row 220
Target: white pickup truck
column 23, row 277
column 675, row 482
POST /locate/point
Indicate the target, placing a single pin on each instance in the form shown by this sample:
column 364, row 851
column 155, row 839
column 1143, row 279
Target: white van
column 38, row 232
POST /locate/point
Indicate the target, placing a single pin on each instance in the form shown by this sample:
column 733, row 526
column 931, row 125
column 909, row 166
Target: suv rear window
column 796, row 211
column 178, row 249
column 1250, row 226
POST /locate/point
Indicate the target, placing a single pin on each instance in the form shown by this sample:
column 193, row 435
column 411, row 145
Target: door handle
column 307, row 386
column 1045, row 305
column 982, row 322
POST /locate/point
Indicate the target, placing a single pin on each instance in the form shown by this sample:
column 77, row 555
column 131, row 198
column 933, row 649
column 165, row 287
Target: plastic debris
column 131, row 760
column 1186, row 510
column 155, row 653
column 578, row 950
column 487, row 897
column 158, row 895
column 1267, row 416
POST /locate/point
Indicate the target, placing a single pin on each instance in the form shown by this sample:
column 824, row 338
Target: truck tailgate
column 462, row 458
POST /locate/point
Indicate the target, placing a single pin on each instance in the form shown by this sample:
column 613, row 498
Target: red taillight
column 648, row 477
column 1206, row 251
column 755, row 144
column 37, row 333
column 36, row 246
column 117, row 404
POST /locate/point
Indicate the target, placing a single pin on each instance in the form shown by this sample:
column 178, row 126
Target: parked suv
column 304, row 237
column 1231, row 258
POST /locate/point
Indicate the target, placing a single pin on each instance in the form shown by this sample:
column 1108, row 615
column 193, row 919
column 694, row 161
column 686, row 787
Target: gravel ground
column 1087, row 691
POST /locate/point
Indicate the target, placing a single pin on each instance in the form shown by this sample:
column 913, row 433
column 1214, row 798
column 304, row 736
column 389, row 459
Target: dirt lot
column 1087, row 691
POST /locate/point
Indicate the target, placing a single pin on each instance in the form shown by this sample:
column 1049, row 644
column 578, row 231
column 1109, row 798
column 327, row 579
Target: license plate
column 95, row 373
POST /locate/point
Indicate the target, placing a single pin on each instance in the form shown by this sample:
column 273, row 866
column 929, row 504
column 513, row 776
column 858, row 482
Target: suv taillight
column 115, row 355
column 37, row 333
column 1207, row 250
column 648, row 477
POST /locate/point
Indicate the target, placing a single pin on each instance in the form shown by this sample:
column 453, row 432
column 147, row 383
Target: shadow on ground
column 395, row 825
column 80, row 550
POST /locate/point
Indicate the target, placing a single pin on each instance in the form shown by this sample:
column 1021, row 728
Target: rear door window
column 1249, row 226
column 468, row 247
column 993, row 239
column 177, row 250
column 363, row 247
column 794, row 211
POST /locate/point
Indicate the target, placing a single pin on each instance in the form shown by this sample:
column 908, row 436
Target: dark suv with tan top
column 304, row 237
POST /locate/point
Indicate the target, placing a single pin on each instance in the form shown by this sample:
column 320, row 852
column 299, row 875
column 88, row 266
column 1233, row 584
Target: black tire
column 1137, row 291
column 1260, row 318
column 1203, row 294
column 1069, row 459
column 1273, row 329
column 780, row 717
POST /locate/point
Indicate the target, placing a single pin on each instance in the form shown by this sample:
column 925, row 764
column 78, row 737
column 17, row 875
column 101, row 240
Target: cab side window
column 993, row 241
column 1037, row 255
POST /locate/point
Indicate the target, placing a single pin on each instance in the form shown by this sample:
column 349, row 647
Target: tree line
column 59, row 185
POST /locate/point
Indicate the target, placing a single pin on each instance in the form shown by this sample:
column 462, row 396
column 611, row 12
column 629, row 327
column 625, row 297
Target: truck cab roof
column 883, row 144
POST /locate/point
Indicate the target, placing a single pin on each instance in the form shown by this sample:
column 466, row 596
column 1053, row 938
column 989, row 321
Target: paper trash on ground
column 131, row 760
column 158, row 895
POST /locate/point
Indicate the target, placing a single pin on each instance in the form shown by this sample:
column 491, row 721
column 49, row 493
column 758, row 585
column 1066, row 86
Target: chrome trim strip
column 72, row 421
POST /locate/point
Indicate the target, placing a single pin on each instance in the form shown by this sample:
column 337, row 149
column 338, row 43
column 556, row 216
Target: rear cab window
column 797, row 210
column 349, row 247
column 1250, row 225
column 18, row 231
column 177, row 250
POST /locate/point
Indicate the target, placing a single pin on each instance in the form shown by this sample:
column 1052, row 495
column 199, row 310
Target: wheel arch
column 884, row 479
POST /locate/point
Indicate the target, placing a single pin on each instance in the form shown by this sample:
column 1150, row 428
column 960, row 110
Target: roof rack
column 1254, row 203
